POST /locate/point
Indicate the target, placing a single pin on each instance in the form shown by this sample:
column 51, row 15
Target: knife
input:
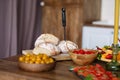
column 64, row 22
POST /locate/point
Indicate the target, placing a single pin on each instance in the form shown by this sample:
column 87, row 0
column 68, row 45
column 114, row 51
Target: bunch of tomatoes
column 94, row 72
column 36, row 59
column 84, row 51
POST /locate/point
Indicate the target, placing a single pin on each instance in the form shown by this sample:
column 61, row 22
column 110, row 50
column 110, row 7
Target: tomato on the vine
column 82, row 51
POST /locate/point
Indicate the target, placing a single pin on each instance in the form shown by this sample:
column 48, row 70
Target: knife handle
column 63, row 17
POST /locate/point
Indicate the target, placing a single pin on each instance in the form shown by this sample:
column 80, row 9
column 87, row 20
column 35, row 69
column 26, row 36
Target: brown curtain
column 17, row 26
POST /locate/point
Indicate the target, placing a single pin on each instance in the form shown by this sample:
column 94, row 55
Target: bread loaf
column 40, row 50
column 47, row 48
column 67, row 45
column 46, row 38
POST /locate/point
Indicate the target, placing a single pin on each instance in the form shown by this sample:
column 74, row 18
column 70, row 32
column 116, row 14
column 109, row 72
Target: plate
column 107, row 60
column 62, row 57
column 106, row 53
column 90, row 72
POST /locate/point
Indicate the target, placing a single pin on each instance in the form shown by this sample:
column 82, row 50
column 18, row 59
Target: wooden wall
column 78, row 12
column 91, row 10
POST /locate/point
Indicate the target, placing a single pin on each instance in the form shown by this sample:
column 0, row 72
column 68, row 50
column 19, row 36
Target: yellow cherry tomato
column 37, row 62
column 51, row 60
column 31, row 62
column 21, row 59
column 27, row 58
column 42, row 62
column 33, row 59
column 36, row 59
column 28, row 55
column 118, row 56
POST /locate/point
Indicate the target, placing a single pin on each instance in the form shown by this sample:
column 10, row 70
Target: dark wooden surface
column 9, row 71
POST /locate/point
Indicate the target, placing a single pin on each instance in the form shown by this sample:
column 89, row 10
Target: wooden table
column 9, row 71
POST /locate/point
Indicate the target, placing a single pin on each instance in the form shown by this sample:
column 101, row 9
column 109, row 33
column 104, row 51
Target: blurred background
column 22, row 21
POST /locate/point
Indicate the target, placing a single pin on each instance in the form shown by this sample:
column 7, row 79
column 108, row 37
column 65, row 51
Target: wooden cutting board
column 59, row 57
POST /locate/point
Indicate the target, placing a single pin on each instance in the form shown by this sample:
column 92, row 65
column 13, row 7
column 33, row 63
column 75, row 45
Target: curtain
column 26, row 19
column 18, row 29
column 29, row 26
column 8, row 27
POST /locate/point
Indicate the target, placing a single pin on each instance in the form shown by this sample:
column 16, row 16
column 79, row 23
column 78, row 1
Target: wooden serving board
column 62, row 57
column 59, row 57
column 107, row 60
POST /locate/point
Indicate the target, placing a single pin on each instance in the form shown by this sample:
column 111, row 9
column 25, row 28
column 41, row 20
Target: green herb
column 99, row 55
column 107, row 47
column 79, row 71
column 71, row 68
column 89, row 77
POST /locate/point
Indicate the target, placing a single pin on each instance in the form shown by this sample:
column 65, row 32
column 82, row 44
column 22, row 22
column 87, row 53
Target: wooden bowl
column 36, row 67
column 83, row 59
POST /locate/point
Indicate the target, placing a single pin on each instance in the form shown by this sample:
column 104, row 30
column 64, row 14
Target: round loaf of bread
column 46, row 38
column 66, row 46
column 47, row 48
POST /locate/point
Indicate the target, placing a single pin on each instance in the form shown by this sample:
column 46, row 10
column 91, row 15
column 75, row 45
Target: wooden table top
column 9, row 71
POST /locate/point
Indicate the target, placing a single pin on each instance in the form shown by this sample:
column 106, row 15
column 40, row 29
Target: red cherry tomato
column 81, row 51
column 88, row 52
column 96, row 71
column 75, row 51
column 76, row 69
column 109, row 56
column 114, row 78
